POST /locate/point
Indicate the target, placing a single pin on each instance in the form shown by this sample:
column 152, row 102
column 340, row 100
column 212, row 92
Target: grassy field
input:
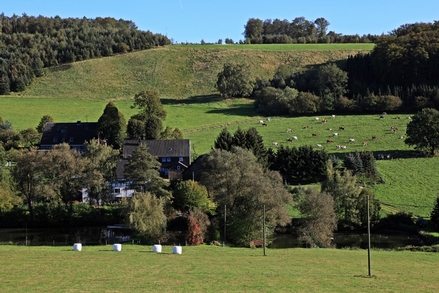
column 214, row 269
column 175, row 71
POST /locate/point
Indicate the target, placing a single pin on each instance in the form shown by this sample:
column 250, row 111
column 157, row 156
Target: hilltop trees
column 423, row 131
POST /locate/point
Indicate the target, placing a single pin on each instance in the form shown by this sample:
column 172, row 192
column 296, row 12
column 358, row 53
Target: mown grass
column 214, row 269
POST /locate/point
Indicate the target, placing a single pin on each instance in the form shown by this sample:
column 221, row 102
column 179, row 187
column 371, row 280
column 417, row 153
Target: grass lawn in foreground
column 213, row 269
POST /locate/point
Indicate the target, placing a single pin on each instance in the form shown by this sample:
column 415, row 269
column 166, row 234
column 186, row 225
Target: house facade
column 174, row 155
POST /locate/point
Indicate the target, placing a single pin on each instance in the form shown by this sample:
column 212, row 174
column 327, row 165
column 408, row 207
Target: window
column 180, row 159
column 178, row 167
column 163, row 159
column 117, row 190
column 55, row 139
column 71, row 139
column 168, row 160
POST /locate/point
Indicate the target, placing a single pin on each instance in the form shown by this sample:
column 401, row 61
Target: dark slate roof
column 72, row 133
column 160, row 148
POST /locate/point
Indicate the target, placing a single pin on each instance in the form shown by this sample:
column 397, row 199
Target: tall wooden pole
column 263, row 236
column 225, row 222
column 368, row 236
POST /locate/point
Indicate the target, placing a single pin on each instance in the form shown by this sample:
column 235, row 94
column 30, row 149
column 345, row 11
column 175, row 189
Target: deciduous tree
column 235, row 81
column 238, row 182
column 320, row 219
column 423, row 131
column 142, row 170
column 146, row 215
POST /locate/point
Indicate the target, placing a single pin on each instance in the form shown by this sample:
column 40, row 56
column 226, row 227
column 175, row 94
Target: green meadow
column 214, row 269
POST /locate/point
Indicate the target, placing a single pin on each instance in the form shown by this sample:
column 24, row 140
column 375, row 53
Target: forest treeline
column 298, row 31
column 399, row 74
column 28, row 44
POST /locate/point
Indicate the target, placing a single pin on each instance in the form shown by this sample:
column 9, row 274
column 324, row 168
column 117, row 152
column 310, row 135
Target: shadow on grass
column 388, row 154
column 193, row 100
column 236, row 111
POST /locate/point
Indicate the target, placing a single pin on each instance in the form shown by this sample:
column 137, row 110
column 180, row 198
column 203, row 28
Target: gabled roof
column 160, row 148
column 72, row 133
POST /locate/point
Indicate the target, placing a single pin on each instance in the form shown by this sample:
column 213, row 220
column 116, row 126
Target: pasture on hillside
column 176, row 71
column 411, row 183
column 209, row 268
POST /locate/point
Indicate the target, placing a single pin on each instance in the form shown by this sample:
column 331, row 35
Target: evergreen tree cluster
column 363, row 165
column 28, row 44
column 300, row 165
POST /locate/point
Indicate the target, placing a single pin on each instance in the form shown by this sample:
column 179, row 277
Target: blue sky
column 211, row 20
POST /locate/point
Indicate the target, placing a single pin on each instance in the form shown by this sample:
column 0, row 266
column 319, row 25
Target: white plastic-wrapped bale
column 176, row 250
column 117, row 247
column 157, row 248
column 77, row 247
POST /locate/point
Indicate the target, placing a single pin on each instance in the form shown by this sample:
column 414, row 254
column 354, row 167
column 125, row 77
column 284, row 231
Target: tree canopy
column 423, row 131
column 235, row 80
column 238, row 182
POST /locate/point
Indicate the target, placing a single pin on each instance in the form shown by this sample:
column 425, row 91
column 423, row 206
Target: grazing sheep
column 332, row 116
column 352, row 140
column 264, row 124
column 329, row 141
column 317, row 119
column 261, row 121
column 401, row 137
column 343, row 147
column 289, row 130
column 319, row 145
column 335, row 134
column 315, row 134
column 305, row 127
column 365, row 143
column 374, row 137
column 275, row 144
column 341, row 128
column 294, row 137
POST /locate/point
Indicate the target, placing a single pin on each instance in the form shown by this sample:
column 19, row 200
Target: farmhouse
column 75, row 134
column 174, row 155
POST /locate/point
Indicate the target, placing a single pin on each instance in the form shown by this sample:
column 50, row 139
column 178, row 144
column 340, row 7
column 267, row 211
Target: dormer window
column 168, row 160
column 163, row 160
